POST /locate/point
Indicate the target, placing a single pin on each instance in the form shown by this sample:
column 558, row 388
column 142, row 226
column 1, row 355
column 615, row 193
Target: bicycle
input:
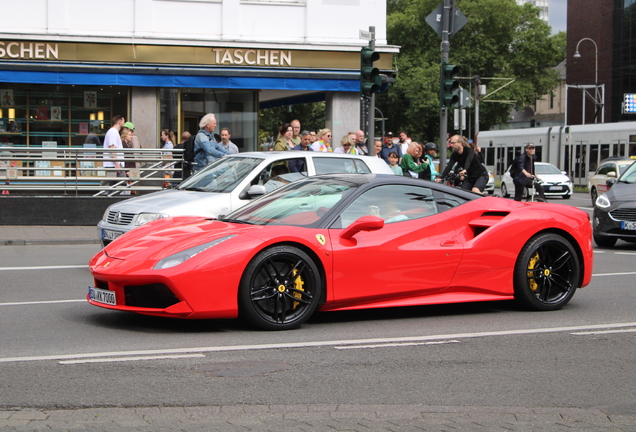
column 531, row 192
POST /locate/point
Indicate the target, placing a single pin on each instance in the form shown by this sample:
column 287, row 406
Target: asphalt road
column 58, row 352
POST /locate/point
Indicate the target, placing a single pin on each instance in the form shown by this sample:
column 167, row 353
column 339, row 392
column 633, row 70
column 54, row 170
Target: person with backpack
column 206, row 148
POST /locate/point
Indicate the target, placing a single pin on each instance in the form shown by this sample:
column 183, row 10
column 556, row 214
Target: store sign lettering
column 253, row 57
column 28, row 50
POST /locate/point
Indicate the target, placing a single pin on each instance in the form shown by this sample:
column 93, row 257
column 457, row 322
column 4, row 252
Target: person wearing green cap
column 134, row 143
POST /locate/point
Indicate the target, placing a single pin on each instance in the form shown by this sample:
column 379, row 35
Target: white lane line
column 614, row 274
column 41, row 302
column 599, row 252
column 43, row 267
column 396, row 345
column 123, row 359
column 606, row 331
column 624, row 253
column 328, row 343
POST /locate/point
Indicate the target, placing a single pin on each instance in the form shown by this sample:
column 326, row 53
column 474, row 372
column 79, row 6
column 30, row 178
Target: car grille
column 624, row 214
column 119, row 218
column 150, row 296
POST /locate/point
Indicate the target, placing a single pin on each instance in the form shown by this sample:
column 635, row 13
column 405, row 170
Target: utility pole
column 443, row 114
column 371, row 111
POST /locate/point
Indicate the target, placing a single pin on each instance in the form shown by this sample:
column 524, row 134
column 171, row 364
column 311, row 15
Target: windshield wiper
column 238, row 221
column 198, row 189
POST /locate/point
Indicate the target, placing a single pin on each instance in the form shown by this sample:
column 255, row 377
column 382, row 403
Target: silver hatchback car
column 229, row 183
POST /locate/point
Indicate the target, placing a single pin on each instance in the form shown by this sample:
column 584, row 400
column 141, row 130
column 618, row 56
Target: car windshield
column 622, row 169
column 303, row 203
column 547, row 169
column 630, row 175
column 222, row 175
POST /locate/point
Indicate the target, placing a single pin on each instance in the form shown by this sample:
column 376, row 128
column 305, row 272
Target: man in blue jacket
column 206, row 148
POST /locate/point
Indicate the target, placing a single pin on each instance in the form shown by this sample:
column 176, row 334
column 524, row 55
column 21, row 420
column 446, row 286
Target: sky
column 558, row 12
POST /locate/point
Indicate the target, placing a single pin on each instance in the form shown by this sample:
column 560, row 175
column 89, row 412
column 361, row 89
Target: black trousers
column 519, row 187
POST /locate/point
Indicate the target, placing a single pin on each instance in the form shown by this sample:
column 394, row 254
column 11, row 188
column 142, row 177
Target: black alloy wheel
column 547, row 273
column 281, row 288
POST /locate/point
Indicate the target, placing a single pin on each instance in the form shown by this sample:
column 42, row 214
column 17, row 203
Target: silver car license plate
column 111, row 235
column 102, row 296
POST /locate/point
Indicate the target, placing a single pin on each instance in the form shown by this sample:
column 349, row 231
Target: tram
column 576, row 149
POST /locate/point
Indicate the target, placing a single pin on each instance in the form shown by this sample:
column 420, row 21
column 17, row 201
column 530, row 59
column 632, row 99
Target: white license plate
column 102, row 296
column 628, row 225
column 111, row 235
column 554, row 188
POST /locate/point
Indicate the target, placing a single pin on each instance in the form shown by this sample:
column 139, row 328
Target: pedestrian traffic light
column 370, row 79
column 448, row 85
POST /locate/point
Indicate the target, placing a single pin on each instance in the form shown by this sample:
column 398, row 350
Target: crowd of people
column 405, row 156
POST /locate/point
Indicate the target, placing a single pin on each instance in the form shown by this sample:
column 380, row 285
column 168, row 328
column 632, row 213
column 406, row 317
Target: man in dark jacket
column 524, row 172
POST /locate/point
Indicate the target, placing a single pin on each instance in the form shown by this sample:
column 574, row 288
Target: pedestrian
column 412, row 163
column 284, row 142
column 377, row 149
column 206, row 148
column 298, row 165
column 393, row 163
column 388, row 148
column 112, row 140
column 471, row 172
column 185, row 168
column 324, row 141
column 346, row 146
column 227, row 144
column 134, row 143
column 312, row 134
column 403, row 141
column 430, row 150
column 296, row 132
column 360, row 144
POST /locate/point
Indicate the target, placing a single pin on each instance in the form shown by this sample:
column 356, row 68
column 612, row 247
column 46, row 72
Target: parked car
column 228, row 184
column 342, row 242
column 615, row 211
column 609, row 168
column 554, row 181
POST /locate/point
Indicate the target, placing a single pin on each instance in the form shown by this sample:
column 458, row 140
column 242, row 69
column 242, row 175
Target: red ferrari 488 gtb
column 339, row 242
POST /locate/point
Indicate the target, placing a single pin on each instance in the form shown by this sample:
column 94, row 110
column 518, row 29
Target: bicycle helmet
column 430, row 146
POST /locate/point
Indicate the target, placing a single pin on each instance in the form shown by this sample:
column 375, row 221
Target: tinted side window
column 393, row 203
column 335, row 165
column 604, row 169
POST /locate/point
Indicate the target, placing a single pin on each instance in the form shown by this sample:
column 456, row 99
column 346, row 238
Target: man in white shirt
column 226, row 143
column 113, row 141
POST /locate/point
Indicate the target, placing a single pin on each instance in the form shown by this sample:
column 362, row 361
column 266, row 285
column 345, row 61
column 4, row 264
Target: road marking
column 614, row 274
column 43, row 267
column 606, row 331
column 397, row 344
column 316, row 344
column 123, row 359
column 41, row 302
column 625, row 253
column 599, row 252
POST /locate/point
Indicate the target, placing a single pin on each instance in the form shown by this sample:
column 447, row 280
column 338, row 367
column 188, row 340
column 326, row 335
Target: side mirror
column 365, row 223
column 610, row 181
column 564, row 173
column 611, row 174
column 256, row 190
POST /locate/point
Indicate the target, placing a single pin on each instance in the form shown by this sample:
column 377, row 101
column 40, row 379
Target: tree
column 501, row 40
column 311, row 116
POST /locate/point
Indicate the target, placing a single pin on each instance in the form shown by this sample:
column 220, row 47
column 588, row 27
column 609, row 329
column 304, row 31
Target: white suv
column 229, row 183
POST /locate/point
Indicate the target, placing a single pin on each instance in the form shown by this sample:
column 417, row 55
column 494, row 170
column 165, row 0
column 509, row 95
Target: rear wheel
column 594, row 195
column 546, row 273
column 280, row 289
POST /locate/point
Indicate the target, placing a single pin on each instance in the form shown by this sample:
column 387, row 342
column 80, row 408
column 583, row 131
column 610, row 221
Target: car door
column 415, row 253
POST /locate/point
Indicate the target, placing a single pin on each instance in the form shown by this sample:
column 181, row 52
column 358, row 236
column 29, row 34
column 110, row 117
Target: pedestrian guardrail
column 81, row 171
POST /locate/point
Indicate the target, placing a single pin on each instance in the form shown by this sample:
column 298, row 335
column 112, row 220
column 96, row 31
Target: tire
column 566, row 196
column 547, row 273
column 504, row 190
column 280, row 289
column 594, row 195
column 604, row 242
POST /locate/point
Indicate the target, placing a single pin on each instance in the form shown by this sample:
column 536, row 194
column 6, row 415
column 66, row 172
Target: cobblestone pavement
column 281, row 418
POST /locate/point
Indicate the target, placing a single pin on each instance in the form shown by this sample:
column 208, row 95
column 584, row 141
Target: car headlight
column 147, row 217
column 184, row 255
column 603, row 201
column 105, row 217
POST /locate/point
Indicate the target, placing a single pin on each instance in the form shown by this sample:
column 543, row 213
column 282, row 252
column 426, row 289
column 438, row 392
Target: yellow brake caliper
column 531, row 266
column 298, row 284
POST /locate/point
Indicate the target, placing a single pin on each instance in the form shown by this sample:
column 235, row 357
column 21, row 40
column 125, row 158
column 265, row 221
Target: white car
column 609, row 168
column 554, row 181
column 229, row 183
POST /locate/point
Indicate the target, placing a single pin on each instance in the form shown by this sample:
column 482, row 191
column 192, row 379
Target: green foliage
column 311, row 117
column 501, row 40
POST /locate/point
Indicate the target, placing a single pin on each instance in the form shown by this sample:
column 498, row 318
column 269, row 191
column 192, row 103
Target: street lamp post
column 598, row 102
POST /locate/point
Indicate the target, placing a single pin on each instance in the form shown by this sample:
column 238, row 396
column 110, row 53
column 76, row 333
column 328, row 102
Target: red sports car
column 341, row 242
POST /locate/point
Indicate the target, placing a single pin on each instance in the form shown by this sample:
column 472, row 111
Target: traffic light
column 448, row 85
column 370, row 79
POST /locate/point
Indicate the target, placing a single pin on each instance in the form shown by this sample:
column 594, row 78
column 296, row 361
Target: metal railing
column 80, row 171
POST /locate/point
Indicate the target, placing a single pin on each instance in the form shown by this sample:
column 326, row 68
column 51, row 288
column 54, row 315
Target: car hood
column 554, row 178
column 164, row 237
column 177, row 203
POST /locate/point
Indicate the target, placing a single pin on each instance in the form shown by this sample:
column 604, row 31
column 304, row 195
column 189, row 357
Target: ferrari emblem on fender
column 321, row 239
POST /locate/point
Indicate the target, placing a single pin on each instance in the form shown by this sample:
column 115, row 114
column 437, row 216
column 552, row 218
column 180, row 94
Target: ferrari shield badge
column 321, row 239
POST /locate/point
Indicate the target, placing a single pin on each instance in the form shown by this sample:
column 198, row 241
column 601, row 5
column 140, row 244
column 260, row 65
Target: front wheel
column 280, row 289
column 594, row 195
column 546, row 273
column 604, row 242
column 504, row 190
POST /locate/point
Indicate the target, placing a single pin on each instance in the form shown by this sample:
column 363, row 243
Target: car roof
column 616, row 158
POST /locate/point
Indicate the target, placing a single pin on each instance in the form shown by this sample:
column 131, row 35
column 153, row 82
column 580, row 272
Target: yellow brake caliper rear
column 298, row 284
column 531, row 266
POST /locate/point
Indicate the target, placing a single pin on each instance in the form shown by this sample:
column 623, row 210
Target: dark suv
column 615, row 211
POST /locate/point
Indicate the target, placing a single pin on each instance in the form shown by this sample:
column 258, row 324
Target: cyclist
column 473, row 175
column 524, row 172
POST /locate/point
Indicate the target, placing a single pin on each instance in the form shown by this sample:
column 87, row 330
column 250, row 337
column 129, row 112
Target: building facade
column 65, row 71
column 543, row 5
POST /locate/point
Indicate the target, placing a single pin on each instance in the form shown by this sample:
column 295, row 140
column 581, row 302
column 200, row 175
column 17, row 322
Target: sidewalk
column 11, row 235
